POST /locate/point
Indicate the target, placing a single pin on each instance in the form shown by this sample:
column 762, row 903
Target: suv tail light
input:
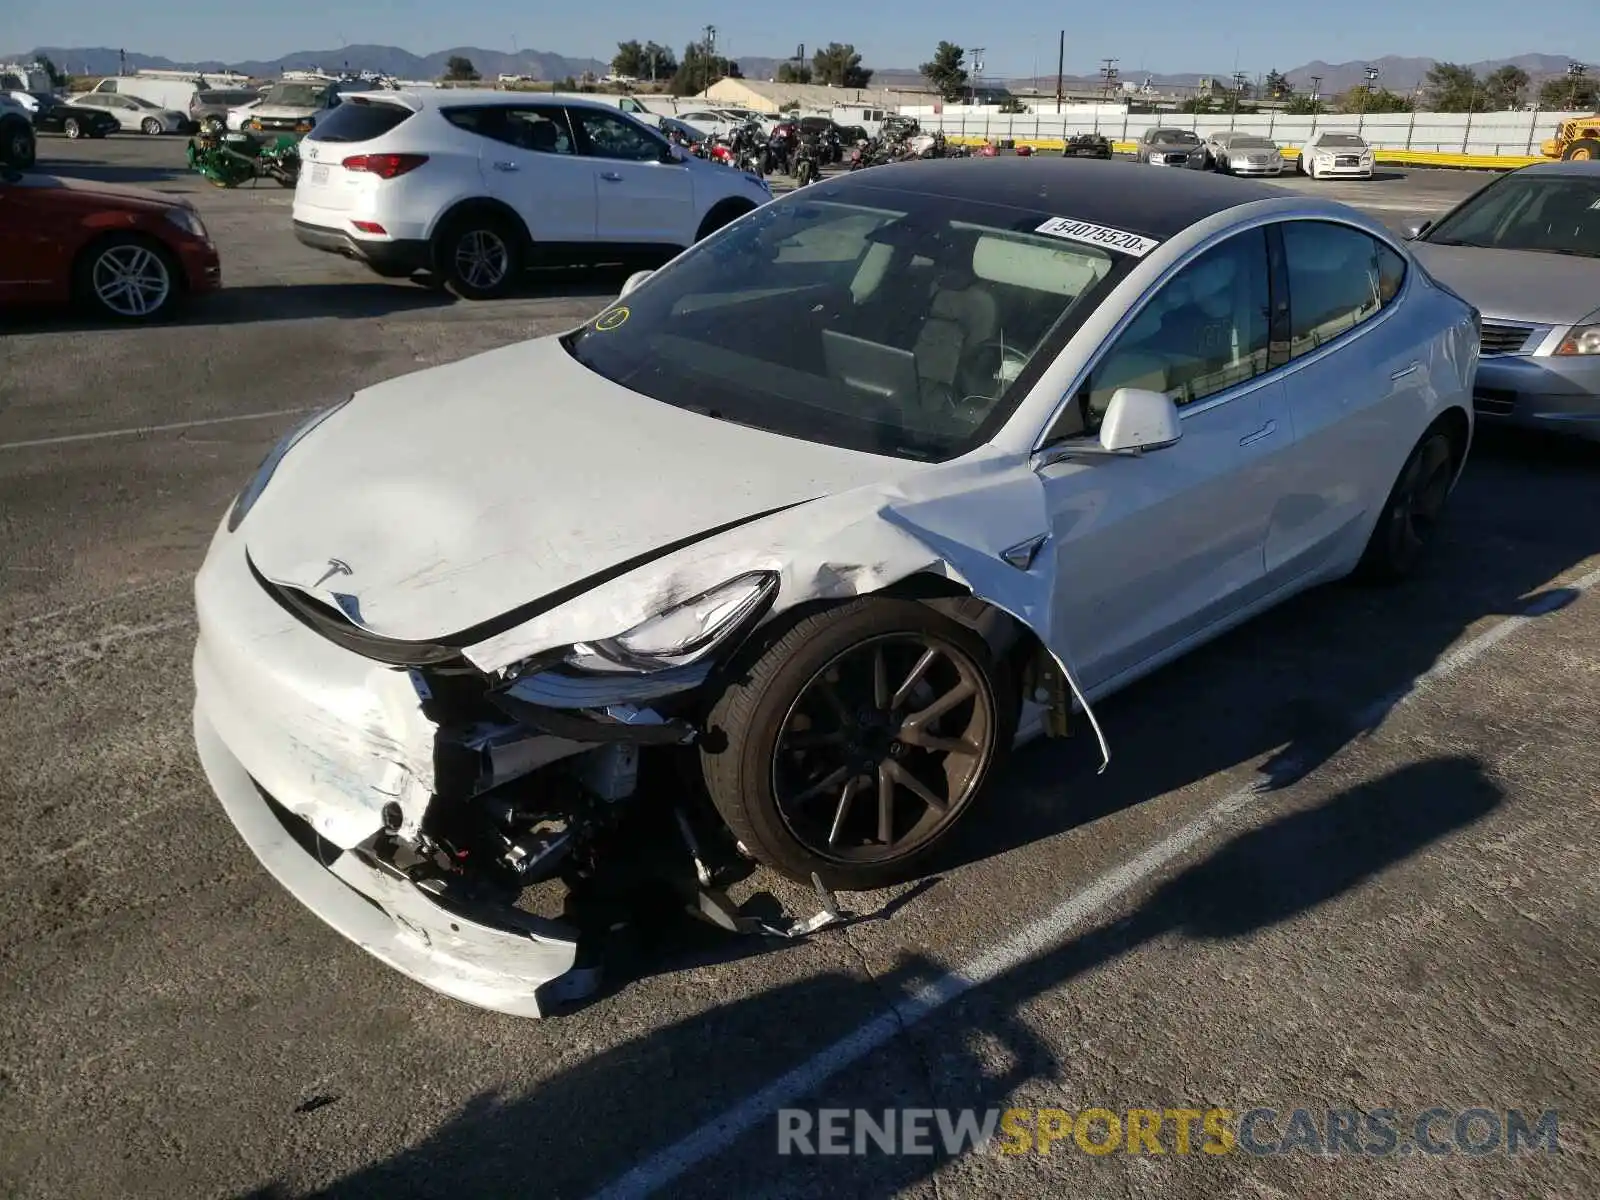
column 384, row 166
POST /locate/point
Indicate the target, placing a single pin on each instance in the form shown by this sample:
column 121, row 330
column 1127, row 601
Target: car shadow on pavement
column 584, row 1126
column 115, row 173
column 1287, row 691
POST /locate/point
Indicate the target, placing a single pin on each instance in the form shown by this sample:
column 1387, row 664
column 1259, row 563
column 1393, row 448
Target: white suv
column 475, row 186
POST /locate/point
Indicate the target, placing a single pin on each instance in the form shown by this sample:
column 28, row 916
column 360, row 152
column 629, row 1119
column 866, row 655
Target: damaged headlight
column 684, row 634
column 263, row 476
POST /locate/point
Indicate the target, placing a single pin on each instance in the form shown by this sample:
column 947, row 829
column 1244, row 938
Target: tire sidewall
column 89, row 299
column 151, row 127
column 71, row 128
column 450, row 239
column 738, row 772
column 1386, row 559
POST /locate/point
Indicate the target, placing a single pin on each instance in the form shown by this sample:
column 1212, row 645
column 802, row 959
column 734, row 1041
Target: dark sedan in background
column 1525, row 249
column 72, row 120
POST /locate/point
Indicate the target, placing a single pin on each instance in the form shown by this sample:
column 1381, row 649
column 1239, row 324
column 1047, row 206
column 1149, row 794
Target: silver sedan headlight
column 682, row 635
column 1583, row 340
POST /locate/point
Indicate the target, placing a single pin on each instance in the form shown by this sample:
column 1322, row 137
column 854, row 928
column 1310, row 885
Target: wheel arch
column 98, row 236
column 1456, row 425
column 729, row 209
column 474, row 205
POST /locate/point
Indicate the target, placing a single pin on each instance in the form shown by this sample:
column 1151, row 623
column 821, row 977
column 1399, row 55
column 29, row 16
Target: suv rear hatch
column 343, row 156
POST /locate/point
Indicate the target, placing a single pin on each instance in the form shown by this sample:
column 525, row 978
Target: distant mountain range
column 1396, row 73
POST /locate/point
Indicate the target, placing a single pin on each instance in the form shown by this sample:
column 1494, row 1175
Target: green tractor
column 230, row 159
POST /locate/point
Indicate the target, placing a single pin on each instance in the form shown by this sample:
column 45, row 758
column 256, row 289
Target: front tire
column 1583, row 150
column 479, row 256
column 71, row 128
column 854, row 744
column 151, row 127
column 1412, row 512
column 127, row 278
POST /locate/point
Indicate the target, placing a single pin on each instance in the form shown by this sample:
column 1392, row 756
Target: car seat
column 542, row 137
column 1333, row 280
column 962, row 315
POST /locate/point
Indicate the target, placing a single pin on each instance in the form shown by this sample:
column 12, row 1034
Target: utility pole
column 1316, row 92
column 709, row 50
column 1108, row 76
column 977, row 71
column 1239, row 78
column 1575, row 72
column 1061, row 67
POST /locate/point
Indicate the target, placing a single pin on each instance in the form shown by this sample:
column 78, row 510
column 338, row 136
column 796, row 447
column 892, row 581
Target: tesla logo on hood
column 336, row 566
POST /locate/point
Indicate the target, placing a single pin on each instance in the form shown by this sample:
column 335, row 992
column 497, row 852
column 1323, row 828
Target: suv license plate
column 319, row 173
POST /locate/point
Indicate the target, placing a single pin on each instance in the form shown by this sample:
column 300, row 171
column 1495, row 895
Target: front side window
column 891, row 322
column 297, row 95
column 1205, row 331
column 1338, row 278
column 1557, row 214
column 611, row 135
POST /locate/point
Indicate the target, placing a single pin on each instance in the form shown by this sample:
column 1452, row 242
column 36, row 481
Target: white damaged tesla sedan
column 833, row 510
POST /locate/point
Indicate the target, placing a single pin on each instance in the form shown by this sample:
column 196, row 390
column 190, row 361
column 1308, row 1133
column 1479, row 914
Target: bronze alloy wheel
column 883, row 748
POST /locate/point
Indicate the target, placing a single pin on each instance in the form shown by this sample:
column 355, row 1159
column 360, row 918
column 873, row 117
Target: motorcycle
column 808, row 161
column 229, row 159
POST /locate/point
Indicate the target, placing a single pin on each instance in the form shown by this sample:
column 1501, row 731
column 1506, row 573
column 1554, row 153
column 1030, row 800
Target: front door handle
column 1266, row 431
column 1401, row 374
column 505, row 166
column 610, row 176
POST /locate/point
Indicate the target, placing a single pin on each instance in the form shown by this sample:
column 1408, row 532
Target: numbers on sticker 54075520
column 1098, row 235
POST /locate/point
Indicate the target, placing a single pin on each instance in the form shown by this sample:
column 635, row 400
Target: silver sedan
column 1525, row 250
column 1163, row 147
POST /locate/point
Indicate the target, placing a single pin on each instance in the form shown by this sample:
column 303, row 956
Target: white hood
column 459, row 493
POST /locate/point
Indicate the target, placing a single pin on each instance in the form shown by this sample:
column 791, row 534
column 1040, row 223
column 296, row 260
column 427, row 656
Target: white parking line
column 138, row 430
column 1039, row 935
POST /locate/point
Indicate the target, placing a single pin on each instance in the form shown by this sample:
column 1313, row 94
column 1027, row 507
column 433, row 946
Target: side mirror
column 634, row 281
column 1137, row 421
column 1412, row 230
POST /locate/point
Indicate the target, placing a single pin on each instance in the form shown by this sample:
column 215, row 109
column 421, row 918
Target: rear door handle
column 1266, row 431
column 505, row 166
column 1401, row 374
column 610, row 176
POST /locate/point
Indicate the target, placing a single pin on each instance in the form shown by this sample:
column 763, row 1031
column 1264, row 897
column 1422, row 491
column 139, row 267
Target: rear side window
column 359, row 121
column 1338, row 278
column 540, row 128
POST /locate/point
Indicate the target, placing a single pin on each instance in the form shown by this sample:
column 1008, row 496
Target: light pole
column 1372, row 86
column 1108, row 76
column 977, row 71
column 711, row 54
column 1238, row 86
column 1316, row 92
column 1575, row 72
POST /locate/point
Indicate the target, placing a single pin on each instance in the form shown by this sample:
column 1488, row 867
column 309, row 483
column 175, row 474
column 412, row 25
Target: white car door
column 1353, row 359
column 1156, row 549
column 643, row 200
column 529, row 160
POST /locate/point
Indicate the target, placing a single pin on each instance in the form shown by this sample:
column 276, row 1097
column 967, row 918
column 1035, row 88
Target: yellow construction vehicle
column 1578, row 138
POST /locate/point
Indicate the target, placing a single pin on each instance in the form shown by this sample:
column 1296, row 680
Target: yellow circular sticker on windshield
column 611, row 319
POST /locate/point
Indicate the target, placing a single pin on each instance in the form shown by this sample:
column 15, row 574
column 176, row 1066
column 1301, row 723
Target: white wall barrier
column 1487, row 133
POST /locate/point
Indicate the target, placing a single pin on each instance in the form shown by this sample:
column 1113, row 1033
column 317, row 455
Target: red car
column 124, row 254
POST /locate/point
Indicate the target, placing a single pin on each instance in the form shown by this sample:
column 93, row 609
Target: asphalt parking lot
column 1343, row 858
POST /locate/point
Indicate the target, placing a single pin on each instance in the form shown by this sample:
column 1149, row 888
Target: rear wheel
column 17, row 146
column 1583, row 150
column 71, row 128
column 127, row 278
column 150, row 126
column 723, row 214
column 478, row 256
column 215, row 125
column 1412, row 513
column 857, row 741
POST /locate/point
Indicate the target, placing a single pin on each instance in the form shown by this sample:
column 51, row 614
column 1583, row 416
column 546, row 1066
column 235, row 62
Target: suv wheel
column 479, row 256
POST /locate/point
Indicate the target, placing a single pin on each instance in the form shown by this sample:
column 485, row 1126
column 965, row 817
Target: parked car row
column 1327, row 155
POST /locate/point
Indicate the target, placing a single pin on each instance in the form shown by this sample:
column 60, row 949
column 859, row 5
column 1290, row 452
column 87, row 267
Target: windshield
column 1255, row 143
column 1556, row 214
column 877, row 320
column 1342, row 140
column 297, row 95
column 1180, row 136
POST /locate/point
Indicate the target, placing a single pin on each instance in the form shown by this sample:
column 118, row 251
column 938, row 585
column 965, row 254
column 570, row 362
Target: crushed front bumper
column 524, row 973
column 307, row 744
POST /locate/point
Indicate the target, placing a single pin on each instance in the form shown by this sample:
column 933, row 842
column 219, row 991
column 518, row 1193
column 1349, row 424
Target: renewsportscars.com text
column 1380, row 1132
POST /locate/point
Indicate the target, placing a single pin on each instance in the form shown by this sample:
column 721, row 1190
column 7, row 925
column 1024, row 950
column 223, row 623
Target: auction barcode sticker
column 1098, row 235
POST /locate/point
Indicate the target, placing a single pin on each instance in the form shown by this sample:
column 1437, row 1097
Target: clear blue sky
column 1156, row 35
